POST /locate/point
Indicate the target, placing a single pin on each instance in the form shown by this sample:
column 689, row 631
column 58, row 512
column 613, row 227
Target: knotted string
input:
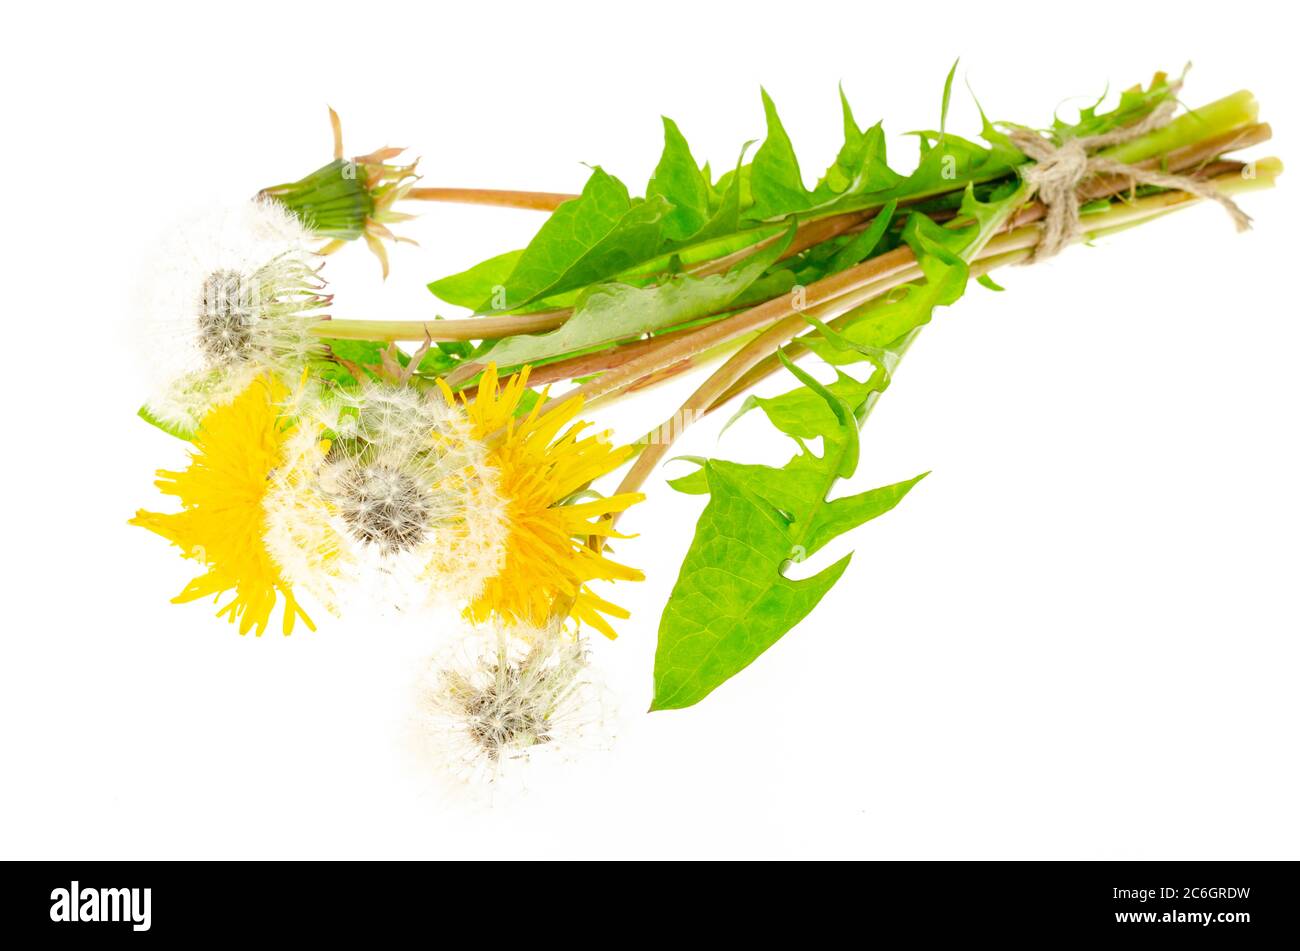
column 1059, row 169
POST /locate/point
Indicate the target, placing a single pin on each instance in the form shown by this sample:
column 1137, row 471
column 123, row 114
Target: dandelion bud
column 348, row 199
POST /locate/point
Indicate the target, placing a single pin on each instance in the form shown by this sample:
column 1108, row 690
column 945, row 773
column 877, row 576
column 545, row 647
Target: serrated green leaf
column 880, row 323
column 804, row 415
column 840, row 515
column 943, row 253
column 775, row 182
column 1133, row 105
column 840, row 176
column 948, row 160
column 693, row 483
column 470, row 288
column 677, row 179
column 995, row 137
column 729, row 605
column 843, row 450
column 598, row 234
column 605, row 235
column 860, row 167
column 862, row 244
column 732, row 599
column 728, row 198
column 947, row 98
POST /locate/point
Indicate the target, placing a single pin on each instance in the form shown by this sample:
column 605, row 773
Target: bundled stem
column 850, row 287
column 757, row 359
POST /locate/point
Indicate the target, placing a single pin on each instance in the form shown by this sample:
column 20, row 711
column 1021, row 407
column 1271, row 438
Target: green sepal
column 332, row 201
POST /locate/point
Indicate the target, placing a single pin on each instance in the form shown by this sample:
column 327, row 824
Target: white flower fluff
column 232, row 295
column 500, row 703
column 386, row 498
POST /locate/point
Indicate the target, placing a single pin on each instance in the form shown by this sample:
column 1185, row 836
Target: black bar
column 1222, row 902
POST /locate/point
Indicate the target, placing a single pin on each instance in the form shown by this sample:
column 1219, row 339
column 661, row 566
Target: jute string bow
column 1058, row 170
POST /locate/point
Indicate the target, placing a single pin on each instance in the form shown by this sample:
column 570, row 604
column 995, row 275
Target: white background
column 1076, row 639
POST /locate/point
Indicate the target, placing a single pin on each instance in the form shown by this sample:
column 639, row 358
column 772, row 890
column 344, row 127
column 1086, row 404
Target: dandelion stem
column 1213, row 119
column 473, row 328
column 499, row 197
column 1188, row 155
column 734, row 376
column 623, row 373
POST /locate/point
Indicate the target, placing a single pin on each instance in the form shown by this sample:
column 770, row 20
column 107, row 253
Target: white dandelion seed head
column 299, row 532
column 401, row 510
column 399, row 418
column 472, row 548
column 231, row 295
column 499, row 705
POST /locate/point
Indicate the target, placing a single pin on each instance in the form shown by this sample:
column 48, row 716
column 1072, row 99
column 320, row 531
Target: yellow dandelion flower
column 222, row 520
column 538, row 469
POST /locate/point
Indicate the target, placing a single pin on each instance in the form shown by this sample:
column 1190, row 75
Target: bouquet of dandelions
column 327, row 464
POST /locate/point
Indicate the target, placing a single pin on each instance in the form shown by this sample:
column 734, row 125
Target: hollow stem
column 473, row 328
column 622, row 368
column 1213, row 119
column 1012, row 247
column 498, row 197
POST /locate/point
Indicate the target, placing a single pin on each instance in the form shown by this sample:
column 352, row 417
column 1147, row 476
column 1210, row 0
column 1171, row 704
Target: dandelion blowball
column 232, row 296
column 498, row 699
column 392, row 499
